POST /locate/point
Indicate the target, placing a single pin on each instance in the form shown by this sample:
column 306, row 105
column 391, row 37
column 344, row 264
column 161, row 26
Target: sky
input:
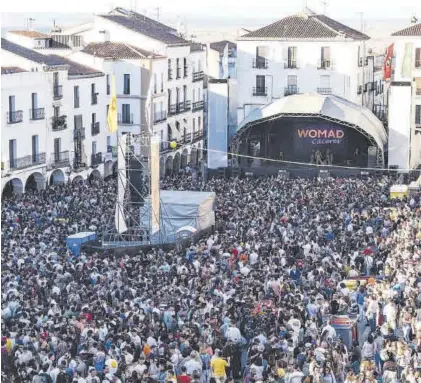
column 206, row 13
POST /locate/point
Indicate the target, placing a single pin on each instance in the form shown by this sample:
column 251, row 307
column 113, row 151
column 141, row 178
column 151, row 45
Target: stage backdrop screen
column 320, row 136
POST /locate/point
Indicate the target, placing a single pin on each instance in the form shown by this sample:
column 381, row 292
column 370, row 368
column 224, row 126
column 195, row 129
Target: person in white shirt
column 233, row 334
column 253, row 258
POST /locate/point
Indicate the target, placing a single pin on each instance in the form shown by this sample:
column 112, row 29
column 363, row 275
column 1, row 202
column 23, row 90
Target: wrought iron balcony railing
column 197, row 76
column 324, row 64
column 197, row 105
column 260, row 63
column 198, row 135
column 27, row 161
column 260, row 91
column 290, row 89
column 59, row 123
column 324, row 90
column 291, row 64
column 125, row 119
column 181, row 107
column 58, row 92
column 60, row 159
column 96, row 159
column 14, row 117
column 37, row 114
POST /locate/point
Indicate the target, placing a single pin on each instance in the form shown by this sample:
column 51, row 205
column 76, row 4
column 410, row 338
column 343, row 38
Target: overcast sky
column 194, row 11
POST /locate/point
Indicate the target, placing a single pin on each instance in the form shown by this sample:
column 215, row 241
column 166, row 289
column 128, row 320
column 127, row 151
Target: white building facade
column 300, row 54
column 405, row 100
column 54, row 127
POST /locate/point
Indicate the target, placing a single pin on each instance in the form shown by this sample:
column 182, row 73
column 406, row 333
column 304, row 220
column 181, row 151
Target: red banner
column 387, row 65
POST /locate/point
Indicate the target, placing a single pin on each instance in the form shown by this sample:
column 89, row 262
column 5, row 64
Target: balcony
column 159, row 117
column 260, row 91
column 169, row 74
column 197, row 76
column 14, row 117
column 58, row 92
column 186, row 71
column 260, row 63
column 79, row 133
column 360, row 89
column 324, row 90
column 178, row 73
column 164, row 147
column 291, row 89
column 290, row 65
column 96, row 159
column 197, row 105
column 197, row 135
column 94, row 128
column 60, row 159
column 125, row 118
column 27, row 161
column 417, row 63
column 324, row 64
column 181, row 107
column 59, row 123
column 112, row 149
column 37, row 114
column 94, row 98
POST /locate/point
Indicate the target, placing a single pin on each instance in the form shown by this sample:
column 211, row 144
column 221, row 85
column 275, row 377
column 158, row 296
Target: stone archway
column 169, row 166
column 108, row 169
column 184, row 158
column 193, row 156
column 36, row 181
column 161, row 167
column 14, row 186
column 57, row 177
column 77, row 179
column 176, row 163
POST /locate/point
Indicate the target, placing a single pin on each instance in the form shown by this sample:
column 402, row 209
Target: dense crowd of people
column 253, row 302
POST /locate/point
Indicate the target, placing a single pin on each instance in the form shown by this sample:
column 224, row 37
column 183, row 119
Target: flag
column 387, row 65
column 407, row 61
column 112, row 109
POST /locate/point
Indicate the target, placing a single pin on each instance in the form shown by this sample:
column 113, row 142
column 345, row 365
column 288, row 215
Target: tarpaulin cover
column 181, row 208
column 74, row 242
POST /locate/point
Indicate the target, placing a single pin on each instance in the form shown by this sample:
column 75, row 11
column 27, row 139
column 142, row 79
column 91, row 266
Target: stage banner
column 155, row 199
column 120, row 222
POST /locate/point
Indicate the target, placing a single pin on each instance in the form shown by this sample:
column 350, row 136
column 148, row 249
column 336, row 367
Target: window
column 177, row 95
column 178, row 68
column 169, row 70
column 57, row 149
column 93, row 118
column 194, row 125
column 94, row 95
column 126, row 84
column 56, row 111
column 199, row 123
column 35, row 149
column 11, row 104
column 155, row 85
column 106, row 110
column 417, row 57
column 292, row 57
column 185, row 93
column 76, row 100
column 108, row 84
column 162, row 82
column 185, row 67
column 292, row 85
column 325, row 58
column 169, row 99
column 126, row 114
column 55, row 79
column 78, row 121
column 260, row 85
column 12, row 153
column 93, row 147
column 34, row 101
column 418, row 115
column 262, row 54
column 108, row 141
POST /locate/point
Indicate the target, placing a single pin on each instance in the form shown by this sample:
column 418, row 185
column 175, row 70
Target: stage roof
column 323, row 106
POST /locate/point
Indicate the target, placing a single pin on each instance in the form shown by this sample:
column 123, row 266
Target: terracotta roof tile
column 413, row 30
column 117, row 51
column 31, row 34
column 11, row 70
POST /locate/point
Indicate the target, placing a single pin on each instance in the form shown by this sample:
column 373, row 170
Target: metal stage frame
column 138, row 234
column 241, row 134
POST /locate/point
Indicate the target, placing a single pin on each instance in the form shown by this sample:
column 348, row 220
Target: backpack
column 62, row 377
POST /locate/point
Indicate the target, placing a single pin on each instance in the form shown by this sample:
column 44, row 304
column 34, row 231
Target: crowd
column 253, row 302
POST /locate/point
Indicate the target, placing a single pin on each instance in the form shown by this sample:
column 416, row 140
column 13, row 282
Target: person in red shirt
column 183, row 377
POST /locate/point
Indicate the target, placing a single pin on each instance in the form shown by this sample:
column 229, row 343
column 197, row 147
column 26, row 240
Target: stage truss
column 237, row 140
column 137, row 150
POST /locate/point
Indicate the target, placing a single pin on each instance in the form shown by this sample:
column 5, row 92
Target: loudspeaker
column 135, row 176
